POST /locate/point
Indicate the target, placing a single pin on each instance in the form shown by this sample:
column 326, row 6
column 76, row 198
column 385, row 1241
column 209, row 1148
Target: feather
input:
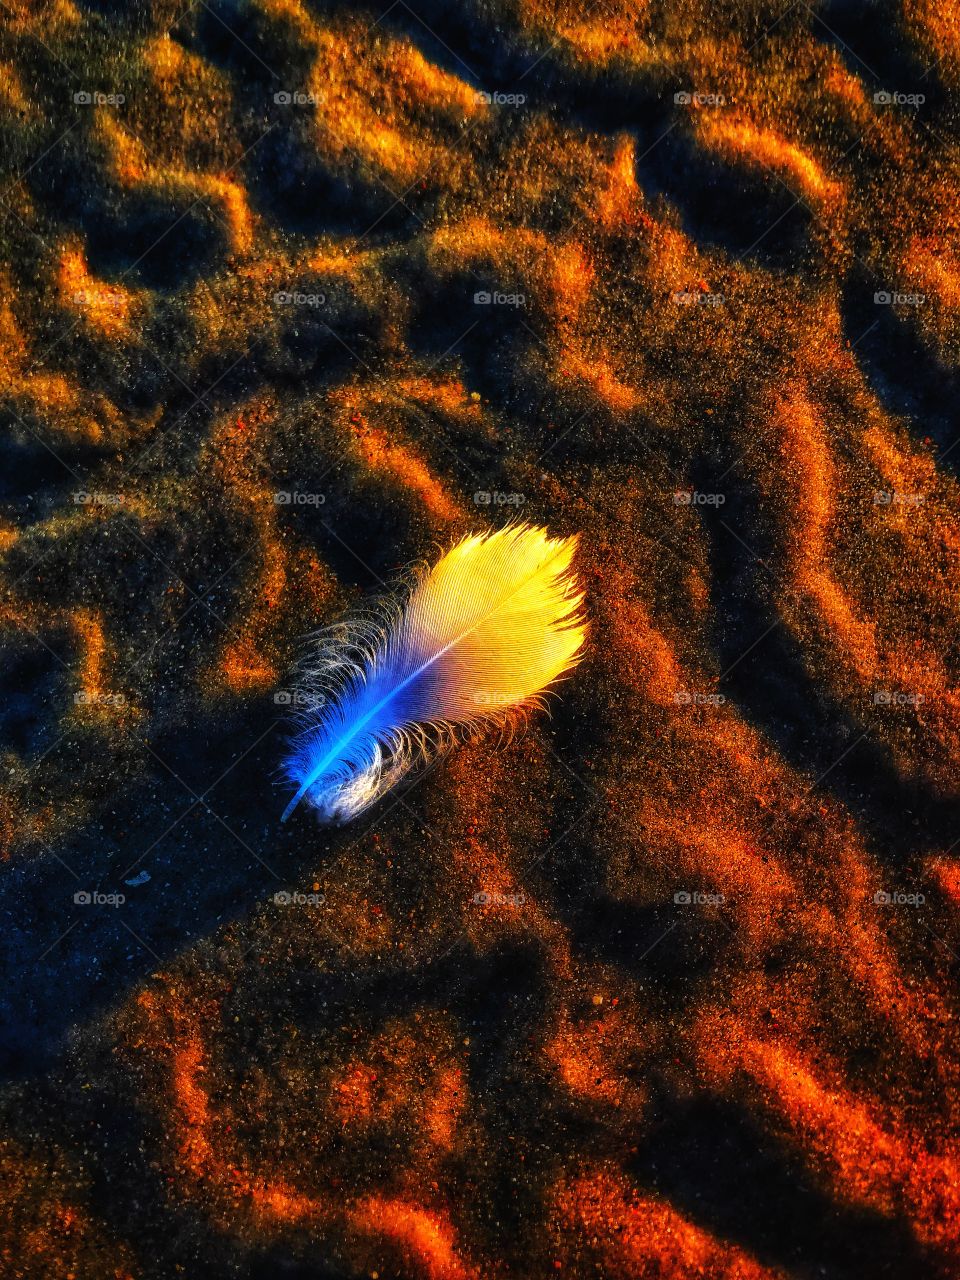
column 478, row 640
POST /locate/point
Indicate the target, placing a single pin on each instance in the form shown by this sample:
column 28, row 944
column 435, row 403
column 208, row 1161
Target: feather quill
column 479, row 639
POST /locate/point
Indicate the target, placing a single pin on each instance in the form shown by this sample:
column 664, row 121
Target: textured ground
column 705, row 1024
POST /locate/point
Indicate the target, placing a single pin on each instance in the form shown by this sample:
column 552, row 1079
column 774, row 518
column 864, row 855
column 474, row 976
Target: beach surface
column 292, row 297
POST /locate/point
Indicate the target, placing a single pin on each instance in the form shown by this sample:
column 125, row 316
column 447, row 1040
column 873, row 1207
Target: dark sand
column 706, row 1024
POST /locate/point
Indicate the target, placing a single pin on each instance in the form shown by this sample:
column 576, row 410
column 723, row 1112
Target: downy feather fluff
column 477, row 641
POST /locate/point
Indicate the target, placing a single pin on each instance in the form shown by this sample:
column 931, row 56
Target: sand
column 295, row 295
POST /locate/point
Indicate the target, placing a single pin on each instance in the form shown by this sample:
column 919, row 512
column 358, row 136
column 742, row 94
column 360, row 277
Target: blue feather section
column 347, row 740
